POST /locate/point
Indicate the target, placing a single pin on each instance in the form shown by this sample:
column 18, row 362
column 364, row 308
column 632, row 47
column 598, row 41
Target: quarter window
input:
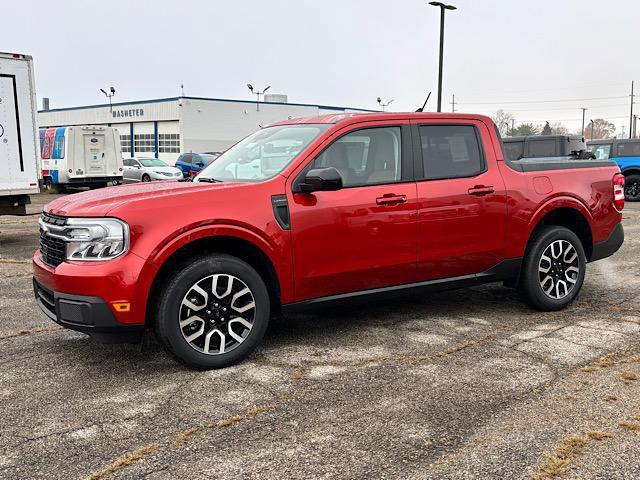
column 365, row 157
column 450, row 151
column 631, row 149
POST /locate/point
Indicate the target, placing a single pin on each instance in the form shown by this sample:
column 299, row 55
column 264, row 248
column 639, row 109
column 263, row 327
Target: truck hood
column 98, row 203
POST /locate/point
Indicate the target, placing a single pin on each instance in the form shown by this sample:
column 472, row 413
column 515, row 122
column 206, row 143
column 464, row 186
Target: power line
column 542, row 101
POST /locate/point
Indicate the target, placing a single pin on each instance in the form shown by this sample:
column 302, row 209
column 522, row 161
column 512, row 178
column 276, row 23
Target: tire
column 146, row 178
column 549, row 280
column 185, row 295
column 632, row 188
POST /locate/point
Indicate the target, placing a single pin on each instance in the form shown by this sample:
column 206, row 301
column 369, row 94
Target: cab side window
column 369, row 156
column 451, row 151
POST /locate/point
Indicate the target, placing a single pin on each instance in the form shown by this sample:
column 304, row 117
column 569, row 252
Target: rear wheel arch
column 570, row 218
column 224, row 245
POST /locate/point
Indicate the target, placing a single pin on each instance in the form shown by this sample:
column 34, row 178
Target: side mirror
column 136, row 166
column 321, row 179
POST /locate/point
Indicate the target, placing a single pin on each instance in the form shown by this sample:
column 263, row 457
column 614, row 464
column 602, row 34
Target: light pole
column 443, row 7
column 383, row 105
column 257, row 93
column 591, row 122
column 506, row 132
column 112, row 92
column 583, row 111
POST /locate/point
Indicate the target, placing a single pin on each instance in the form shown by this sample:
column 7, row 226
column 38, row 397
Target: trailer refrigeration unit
column 19, row 154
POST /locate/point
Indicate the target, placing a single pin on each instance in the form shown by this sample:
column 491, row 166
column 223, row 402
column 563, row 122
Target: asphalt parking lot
column 462, row 384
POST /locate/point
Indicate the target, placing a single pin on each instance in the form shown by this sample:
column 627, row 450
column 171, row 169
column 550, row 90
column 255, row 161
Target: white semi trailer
column 19, row 153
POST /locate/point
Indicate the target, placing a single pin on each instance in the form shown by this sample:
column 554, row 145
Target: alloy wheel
column 558, row 269
column 217, row 314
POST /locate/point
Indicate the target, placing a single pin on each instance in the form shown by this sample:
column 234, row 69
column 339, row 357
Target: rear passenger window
column 365, row 157
column 450, row 151
column 631, row 149
column 542, row 148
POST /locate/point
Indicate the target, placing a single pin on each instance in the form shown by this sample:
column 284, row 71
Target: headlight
column 164, row 174
column 95, row 239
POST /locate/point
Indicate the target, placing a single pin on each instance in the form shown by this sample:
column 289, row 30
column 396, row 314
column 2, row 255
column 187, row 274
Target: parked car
column 321, row 209
column 626, row 153
column 545, row 146
column 191, row 163
column 148, row 170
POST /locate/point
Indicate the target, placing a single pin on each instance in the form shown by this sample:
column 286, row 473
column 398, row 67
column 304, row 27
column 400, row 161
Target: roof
column 379, row 116
column 174, row 99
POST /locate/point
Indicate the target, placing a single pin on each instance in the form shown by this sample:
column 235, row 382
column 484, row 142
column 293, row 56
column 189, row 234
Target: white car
column 148, row 170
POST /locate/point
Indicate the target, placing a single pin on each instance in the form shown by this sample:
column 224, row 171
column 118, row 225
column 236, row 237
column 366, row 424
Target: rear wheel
column 632, row 188
column 213, row 312
column 553, row 269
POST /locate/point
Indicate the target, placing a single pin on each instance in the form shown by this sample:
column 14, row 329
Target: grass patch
column 598, row 435
column 560, row 460
column 631, row 426
column 125, row 461
column 187, row 435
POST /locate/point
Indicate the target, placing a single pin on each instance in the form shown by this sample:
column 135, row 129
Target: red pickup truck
column 318, row 209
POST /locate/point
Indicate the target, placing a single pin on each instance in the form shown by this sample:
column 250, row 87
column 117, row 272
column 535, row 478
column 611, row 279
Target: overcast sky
column 338, row 52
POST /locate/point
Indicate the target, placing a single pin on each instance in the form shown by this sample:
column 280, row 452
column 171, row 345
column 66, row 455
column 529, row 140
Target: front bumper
column 87, row 292
column 609, row 246
column 86, row 314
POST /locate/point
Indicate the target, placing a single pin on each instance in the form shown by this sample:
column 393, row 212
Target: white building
column 166, row 127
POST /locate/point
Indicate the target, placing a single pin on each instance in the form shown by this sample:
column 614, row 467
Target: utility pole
column 442, row 7
column 591, row 121
column 583, row 111
column 631, row 115
column 453, row 103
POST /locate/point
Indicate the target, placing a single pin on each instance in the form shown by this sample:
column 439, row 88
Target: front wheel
column 632, row 188
column 146, row 178
column 213, row 312
column 553, row 269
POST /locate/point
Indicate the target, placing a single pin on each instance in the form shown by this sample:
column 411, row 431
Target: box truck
column 82, row 156
column 19, row 161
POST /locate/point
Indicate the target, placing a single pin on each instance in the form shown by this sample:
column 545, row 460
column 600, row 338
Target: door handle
column 391, row 199
column 480, row 190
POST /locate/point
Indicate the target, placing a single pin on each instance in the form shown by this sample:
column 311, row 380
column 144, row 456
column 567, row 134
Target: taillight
column 618, row 191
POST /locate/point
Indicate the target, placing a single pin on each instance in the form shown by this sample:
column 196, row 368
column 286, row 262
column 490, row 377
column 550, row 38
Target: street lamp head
column 442, row 5
column 266, row 89
column 379, row 100
column 113, row 90
column 102, row 90
column 450, row 7
column 250, row 87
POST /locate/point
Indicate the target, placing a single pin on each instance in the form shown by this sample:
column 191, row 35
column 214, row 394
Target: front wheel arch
column 234, row 246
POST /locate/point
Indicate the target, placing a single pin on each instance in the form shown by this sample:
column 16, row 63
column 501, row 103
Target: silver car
column 148, row 170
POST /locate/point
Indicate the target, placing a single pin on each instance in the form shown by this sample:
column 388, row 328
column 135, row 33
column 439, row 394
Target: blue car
column 626, row 153
column 191, row 163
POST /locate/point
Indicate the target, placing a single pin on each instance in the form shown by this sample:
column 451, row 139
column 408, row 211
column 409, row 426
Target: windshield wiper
column 209, row 180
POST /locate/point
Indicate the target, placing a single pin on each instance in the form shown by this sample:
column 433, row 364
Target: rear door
column 461, row 200
column 95, row 164
column 362, row 236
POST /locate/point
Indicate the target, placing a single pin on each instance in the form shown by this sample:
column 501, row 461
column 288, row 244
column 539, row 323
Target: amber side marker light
column 121, row 306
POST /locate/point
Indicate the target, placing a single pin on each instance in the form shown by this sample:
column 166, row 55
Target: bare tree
column 557, row 128
column 600, row 129
column 503, row 121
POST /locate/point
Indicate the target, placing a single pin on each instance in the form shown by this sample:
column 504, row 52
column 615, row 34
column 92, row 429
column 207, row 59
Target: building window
column 169, row 142
column 144, row 142
column 125, row 142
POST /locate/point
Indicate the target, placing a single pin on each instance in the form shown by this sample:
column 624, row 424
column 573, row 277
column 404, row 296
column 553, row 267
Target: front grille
column 53, row 250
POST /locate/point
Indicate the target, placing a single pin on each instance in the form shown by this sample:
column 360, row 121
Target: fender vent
column 281, row 210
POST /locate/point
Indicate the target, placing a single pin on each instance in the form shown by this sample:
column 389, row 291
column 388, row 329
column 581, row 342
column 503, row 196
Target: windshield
column 152, row 162
column 207, row 159
column 262, row 154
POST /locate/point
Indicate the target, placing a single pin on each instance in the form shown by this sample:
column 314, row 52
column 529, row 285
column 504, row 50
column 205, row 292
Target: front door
column 362, row 236
column 462, row 205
